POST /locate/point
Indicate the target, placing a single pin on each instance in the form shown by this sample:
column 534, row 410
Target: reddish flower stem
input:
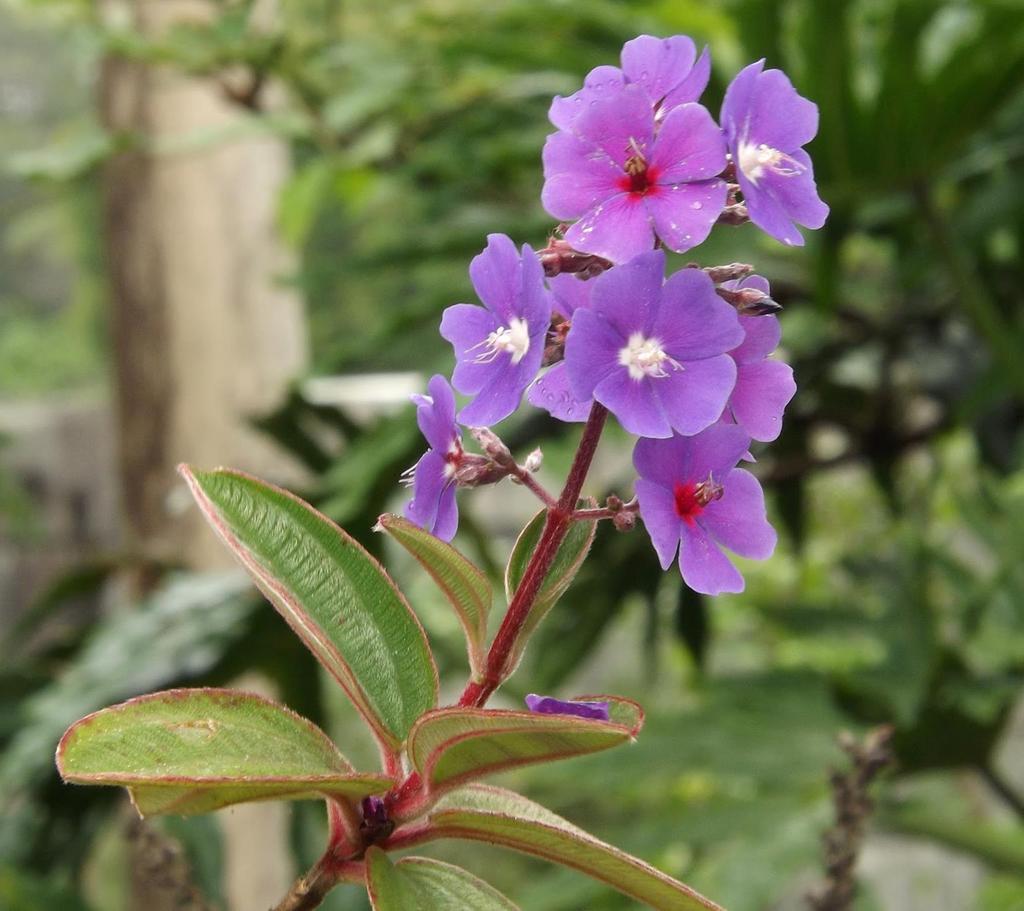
column 556, row 525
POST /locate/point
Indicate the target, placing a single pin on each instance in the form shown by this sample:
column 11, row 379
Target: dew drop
column 696, row 204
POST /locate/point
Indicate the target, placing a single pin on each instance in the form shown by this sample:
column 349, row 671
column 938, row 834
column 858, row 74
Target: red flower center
column 639, row 178
column 688, row 505
column 691, row 499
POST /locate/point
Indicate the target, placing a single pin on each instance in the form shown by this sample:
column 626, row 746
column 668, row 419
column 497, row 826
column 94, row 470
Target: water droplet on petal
column 696, row 204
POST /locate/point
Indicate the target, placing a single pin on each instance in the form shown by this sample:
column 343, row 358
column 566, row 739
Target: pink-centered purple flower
column 667, row 69
column 630, row 178
column 766, row 124
column 694, row 501
column 763, row 386
column 551, row 391
column 653, row 352
column 548, row 705
column 433, row 479
column 499, row 346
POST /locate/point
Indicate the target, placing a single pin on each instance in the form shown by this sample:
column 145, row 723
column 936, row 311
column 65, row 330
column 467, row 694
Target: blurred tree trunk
column 205, row 337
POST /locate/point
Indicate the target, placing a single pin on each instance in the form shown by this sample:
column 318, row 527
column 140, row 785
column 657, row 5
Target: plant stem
column 556, row 525
column 307, row 892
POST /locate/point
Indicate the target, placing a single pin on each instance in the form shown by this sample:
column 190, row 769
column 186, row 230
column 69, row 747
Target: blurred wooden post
column 205, row 336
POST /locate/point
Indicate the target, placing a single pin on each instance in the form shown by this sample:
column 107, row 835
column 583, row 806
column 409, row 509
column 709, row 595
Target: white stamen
column 515, row 339
column 645, row 357
column 754, row 160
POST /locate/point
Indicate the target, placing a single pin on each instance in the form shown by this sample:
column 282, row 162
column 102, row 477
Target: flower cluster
column 636, row 167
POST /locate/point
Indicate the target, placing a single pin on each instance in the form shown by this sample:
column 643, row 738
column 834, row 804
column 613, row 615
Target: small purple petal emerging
column 694, row 501
column 666, row 69
column 552, row 392
column 654, row 353
column 499, row 346
column 628, row 172
column 766, row 122
column 433, row 504
column 763, row 386
column 548, row 705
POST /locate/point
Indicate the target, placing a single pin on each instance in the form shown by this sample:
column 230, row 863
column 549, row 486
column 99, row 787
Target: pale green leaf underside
column 501, row 817
column 465, row 586
column 193, row 751
column 571, row 554
column 452, row 746
column 422, row 884
column 333, row 594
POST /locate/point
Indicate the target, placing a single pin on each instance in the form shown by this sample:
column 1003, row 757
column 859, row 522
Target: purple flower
column 548, row 705
column 667, row 69
column 433, row 504
column 628, row 181
column 763, row 386
column 552, row 391
column 766, row 123
column 499, row 346
column 653, row 352
column 693, row 499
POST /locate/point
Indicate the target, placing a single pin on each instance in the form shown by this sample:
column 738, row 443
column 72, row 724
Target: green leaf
column 334, row 595
column 196, row 750
column 422, row 884
column 571, row 554
column 449, row 747
column 465, row 586
column 501, row 817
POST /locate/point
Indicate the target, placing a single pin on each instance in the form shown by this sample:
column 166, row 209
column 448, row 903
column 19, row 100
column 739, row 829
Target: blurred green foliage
column 898, row 591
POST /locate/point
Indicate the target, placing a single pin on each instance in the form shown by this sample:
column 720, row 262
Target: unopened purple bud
column 548, row 705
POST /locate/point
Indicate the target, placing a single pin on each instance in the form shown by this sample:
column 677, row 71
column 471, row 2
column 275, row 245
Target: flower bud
column 534, row 461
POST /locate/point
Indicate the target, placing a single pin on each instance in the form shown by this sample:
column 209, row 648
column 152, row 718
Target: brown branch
column 853, row 806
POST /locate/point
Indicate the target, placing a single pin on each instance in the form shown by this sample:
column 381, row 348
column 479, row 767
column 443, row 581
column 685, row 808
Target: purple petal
column 600, row 81
column 576, row 180
column 629, row 297
column 769, row 214
column 436, row 415
column 634, row 403
column 713, row 451
column 738, row 519
column 736, row 113
column 763, row 389
column 548, row 705
column 618, row 124
column 692, row 87
column 553, row 393
column 617, row 229
column 446, row 522
column 431, row 487
column 658, row 65
column 776, row 114
column 495, row 276
column 504, row 389
column 591, row 352
column 761, row 335
column 798, row 193
column 658, row 510
column 570, row 293
column 693, row 398
column 689, row 147
column 703, row 566
column 466, row 326
column 751, row 281
column 684, row 214
column 693, row 322
column 533, row 302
